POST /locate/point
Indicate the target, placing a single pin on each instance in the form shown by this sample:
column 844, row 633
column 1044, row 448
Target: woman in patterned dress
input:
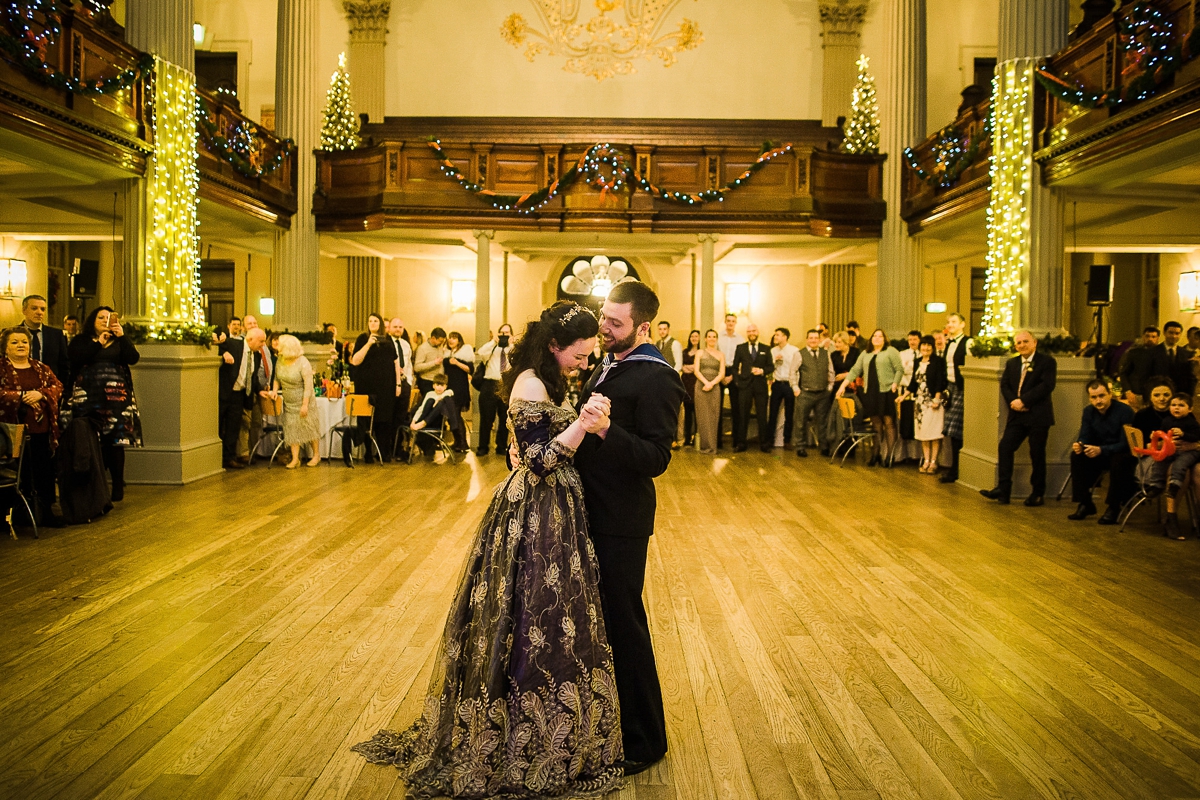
column 523, row 702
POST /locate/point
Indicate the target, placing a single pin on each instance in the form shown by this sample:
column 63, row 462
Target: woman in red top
column 29, row 395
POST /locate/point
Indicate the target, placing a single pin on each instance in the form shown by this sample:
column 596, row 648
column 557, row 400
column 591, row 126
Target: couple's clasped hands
column 594, row 414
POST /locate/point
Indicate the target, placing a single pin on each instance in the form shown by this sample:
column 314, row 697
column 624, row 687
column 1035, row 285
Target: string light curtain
column 172, row 268
column 1008, row 239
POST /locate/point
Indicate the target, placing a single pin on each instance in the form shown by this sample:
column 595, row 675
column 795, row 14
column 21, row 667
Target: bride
column 523, row 701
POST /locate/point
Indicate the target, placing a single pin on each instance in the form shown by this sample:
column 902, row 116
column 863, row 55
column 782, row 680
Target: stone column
column 841, row 43
column 1032, row 29
column 483, row 285
column 164, row 28
column 902, row 124
column 368, row 38
column 297, row 116
column 707, row 280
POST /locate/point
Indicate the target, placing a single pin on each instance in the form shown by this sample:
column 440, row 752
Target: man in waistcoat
column 672, row 352
column 816, row 387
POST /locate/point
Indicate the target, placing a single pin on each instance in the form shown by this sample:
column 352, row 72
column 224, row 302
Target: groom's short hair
column 642, row 300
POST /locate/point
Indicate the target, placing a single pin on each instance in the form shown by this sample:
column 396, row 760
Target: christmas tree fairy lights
column 862, row 131
column 1008, row 238
column 339, row 131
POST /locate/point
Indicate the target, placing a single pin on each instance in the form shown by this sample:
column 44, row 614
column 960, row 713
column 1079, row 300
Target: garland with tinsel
column 603, row 167
column 1148, row 36
column 948, row 153
column 26, row 48
column 244, row 148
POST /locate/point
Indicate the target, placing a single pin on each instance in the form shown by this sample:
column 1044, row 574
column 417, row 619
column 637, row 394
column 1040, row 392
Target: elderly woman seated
column 29, row 394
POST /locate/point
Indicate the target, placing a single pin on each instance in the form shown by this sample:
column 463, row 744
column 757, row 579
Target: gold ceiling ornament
column 602, row 47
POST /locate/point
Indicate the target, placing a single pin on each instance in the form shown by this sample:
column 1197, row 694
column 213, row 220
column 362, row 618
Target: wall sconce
column 935, row 308
column 266, row 306
column 462, row 296
column 199, row 34
column 737, row 298
column 13, row 275
column 1189, row 291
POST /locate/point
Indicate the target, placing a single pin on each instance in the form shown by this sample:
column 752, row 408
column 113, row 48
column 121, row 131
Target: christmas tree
column 862, row 132
column 340, row 129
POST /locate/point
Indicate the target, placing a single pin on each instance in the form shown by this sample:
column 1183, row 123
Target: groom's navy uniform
column 618, row 481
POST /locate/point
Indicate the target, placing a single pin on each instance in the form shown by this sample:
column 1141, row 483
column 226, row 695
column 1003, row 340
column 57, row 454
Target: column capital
column 842, row 16
column 707, row 237
column 479, row 234
column 368, row 19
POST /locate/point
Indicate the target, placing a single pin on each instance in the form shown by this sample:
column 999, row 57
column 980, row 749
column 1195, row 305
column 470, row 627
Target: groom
column 617, row 466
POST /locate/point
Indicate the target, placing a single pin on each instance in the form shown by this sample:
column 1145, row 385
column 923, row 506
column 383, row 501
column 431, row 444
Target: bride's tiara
column 570, row 315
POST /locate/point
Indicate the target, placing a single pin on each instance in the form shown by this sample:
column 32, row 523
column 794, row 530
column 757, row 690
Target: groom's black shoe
column 636, row 767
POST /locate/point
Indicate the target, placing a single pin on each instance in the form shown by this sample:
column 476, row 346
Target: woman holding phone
column 493, row 358
column 374, row 373
column 102, row 389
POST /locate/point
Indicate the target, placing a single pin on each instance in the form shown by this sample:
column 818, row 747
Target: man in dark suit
column 46, row 344
column 752, row 363
column 239, row 386
column 1028, row 387
column 617, row 467
column 1179, row 358
column 1141, row 363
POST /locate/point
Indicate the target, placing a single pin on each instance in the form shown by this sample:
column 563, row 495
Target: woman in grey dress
column 710, row 371
column 294, row 376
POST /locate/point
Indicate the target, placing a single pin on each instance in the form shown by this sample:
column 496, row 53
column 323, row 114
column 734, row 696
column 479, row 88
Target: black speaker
column 84, row 277
column 1100, row 285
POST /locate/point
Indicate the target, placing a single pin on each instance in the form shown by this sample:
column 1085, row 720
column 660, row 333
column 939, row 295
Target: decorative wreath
column 1162, row 446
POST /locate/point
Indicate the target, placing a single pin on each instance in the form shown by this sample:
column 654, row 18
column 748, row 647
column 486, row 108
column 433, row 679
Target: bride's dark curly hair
column 562, row 324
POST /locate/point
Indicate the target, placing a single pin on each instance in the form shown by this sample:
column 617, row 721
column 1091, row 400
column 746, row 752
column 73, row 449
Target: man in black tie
column 387, row 429
column 46, row 344
column 952, row 422
column 752, row 363
column 1179, row 358
column 238, row 386
column 1028, row 388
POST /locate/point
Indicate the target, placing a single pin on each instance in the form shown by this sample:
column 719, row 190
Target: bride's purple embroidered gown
column 523, row 702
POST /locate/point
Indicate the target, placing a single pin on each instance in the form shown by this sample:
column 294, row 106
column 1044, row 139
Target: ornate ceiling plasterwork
column 602, row 47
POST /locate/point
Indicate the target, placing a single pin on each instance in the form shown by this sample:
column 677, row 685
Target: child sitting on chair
column 1173, row 472
column 436, row 407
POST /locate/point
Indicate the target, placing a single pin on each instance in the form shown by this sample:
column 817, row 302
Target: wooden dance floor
column 821, row 633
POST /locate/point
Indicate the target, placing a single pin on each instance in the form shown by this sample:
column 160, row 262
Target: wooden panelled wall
column 397, row 181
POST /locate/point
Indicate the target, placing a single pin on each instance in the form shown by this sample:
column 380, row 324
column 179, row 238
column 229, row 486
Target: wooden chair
column 272, row 409
column 854, row 435
column 12, row 460
column 357, row 406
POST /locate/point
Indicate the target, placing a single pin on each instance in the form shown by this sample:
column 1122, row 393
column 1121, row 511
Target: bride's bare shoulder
column 528, row 387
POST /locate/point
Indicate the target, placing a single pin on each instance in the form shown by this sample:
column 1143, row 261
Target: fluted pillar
column 164, row 28
column 902, row 124
column 1032, row 29
column 841, row 43
column 708, row 280
column 368, row 37
column 483, row 286
column 297, row 117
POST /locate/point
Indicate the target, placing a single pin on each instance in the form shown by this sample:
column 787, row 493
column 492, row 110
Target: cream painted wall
column 957, row 33
column 34, row 255
column 1171, row 265
column 780, row 296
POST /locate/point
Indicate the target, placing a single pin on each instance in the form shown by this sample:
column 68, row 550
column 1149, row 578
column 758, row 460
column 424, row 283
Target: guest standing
column 1141, row 363
column 785, row 385
column 815, row 379
column 1179, row 358
column 956, row 357
column 843, row 357
column 672, row 351
column 428, row 359
column 397, row 339
column 102, row 389
column 688, row 376
column 47, row 345
column 458, row 364
column 374, row 363
column 751, row 366
column 1028, row 387
column 909, row 446
column 294, row 380
column 710, row 376
column 928, row 390
column 29, row 395
column 244, row 373
column 1102, row 445
column 728, row 342
column 495, row 354
column 881, row 371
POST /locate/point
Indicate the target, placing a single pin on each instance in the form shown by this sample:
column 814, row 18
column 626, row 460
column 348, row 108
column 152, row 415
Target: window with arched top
column 588, row 279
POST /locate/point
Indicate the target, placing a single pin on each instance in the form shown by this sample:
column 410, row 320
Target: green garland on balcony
column 1148, row 37
column 603, row 167
column 948, row 153
column 170, row 333
column 243, row 148
column 26, row 48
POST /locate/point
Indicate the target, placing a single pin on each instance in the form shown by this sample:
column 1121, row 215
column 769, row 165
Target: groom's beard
column 621, row 345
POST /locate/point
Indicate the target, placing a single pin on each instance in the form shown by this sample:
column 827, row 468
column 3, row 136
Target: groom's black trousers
column 622, row 562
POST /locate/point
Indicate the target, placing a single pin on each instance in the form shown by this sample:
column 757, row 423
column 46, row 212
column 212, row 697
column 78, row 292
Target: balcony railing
column 517, row 174
column 947, row 174
column 243, row 165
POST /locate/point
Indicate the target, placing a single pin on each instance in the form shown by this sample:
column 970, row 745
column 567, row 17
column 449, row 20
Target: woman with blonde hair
column 294, row 378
